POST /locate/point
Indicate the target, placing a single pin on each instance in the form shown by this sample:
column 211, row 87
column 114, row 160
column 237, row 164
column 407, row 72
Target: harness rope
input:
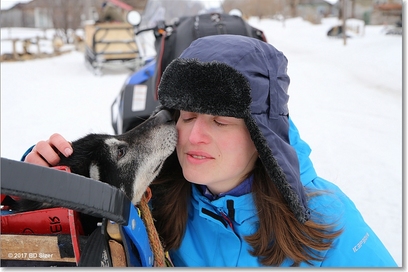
column 157, row 248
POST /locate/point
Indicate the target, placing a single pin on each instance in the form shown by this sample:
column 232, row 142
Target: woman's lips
column 198, row 157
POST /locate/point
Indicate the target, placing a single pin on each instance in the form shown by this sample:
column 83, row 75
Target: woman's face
column 216, row 151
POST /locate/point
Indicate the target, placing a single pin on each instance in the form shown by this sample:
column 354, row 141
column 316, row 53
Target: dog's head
column 129, row 161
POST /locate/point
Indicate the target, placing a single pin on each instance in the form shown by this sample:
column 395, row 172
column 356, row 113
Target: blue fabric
column 243, row 188
column 209, row 242
column 26, row 153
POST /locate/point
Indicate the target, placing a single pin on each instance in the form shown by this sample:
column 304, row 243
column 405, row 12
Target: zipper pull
column 226, row 218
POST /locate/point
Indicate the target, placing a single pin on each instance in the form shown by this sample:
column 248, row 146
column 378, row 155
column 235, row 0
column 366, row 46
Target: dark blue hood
column 246, row 78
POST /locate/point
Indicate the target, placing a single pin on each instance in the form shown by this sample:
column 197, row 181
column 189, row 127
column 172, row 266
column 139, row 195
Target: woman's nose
column 199, row 132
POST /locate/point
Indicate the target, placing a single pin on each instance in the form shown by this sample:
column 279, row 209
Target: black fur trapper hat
column 242, row 77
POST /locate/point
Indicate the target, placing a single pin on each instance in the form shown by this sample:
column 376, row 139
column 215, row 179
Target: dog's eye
column 121, row 152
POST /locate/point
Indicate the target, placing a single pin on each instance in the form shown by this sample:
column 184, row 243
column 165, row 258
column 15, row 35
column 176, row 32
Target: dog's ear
column 157, row 109
column 161, row 107
column 85, row 149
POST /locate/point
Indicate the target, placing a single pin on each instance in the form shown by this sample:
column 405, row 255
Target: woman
column 240, row 189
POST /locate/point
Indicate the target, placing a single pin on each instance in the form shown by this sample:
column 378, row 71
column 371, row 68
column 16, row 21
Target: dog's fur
column 129, row 161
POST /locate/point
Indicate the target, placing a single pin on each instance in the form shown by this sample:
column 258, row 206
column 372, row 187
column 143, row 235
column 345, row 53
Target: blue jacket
column 210, row 242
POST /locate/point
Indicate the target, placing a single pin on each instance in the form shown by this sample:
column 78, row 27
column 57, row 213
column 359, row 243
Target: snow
column 331, row 2
column 346, row 100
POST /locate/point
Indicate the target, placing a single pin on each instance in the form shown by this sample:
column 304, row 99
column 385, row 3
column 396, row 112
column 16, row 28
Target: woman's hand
column 46, row 153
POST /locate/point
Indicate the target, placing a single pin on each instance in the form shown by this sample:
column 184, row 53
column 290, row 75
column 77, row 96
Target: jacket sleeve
column 26, row 153
column 358, row 245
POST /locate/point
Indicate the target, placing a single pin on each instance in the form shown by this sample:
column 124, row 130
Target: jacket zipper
column 225, row 219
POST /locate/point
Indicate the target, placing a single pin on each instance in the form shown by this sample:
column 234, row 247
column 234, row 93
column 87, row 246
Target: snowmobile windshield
column 171, row 10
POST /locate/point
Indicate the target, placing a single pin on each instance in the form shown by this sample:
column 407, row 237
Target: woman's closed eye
column 187, row 116
column 225, row 120
column 220, row 123
column 187, row 119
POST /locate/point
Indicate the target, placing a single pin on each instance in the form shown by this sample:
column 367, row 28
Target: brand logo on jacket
column 361, row 243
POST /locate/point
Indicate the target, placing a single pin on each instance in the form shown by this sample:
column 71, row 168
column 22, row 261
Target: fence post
column 38, row 47
column 15, row 55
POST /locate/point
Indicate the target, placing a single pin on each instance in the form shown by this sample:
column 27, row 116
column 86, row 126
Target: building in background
column 61, row 14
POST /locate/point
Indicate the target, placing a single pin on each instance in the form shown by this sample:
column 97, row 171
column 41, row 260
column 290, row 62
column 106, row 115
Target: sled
column 57, row 236
column 109, row 43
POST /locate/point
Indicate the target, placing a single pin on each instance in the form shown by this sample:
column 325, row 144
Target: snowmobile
column 67, row 236
column 166, row 32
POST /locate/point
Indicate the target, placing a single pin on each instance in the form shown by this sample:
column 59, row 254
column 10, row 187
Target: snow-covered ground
column 346, row 100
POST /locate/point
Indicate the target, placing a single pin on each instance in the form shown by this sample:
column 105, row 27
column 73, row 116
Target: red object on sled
column 46, row 221
column 51, row 221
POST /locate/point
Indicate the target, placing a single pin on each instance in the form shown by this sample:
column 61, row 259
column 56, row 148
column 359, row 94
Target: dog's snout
column 163, row 116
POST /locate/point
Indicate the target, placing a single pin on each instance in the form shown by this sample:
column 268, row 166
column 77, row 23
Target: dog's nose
column 163, row 116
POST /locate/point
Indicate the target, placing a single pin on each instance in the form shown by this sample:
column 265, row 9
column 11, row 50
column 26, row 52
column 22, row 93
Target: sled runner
column 61, row 236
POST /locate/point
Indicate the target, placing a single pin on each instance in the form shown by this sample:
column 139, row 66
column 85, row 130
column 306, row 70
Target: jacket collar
column 243, row 188
column 243, row 205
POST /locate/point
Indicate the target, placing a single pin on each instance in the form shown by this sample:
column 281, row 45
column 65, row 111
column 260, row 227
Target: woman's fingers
column 46, row 153
column 56, row 140
column 35, row 158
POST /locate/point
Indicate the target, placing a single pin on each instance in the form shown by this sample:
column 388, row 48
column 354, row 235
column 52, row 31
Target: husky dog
column 129, row 161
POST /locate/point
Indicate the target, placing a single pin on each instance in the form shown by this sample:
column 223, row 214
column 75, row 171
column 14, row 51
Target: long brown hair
column 280, row 235
column 170, row 197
